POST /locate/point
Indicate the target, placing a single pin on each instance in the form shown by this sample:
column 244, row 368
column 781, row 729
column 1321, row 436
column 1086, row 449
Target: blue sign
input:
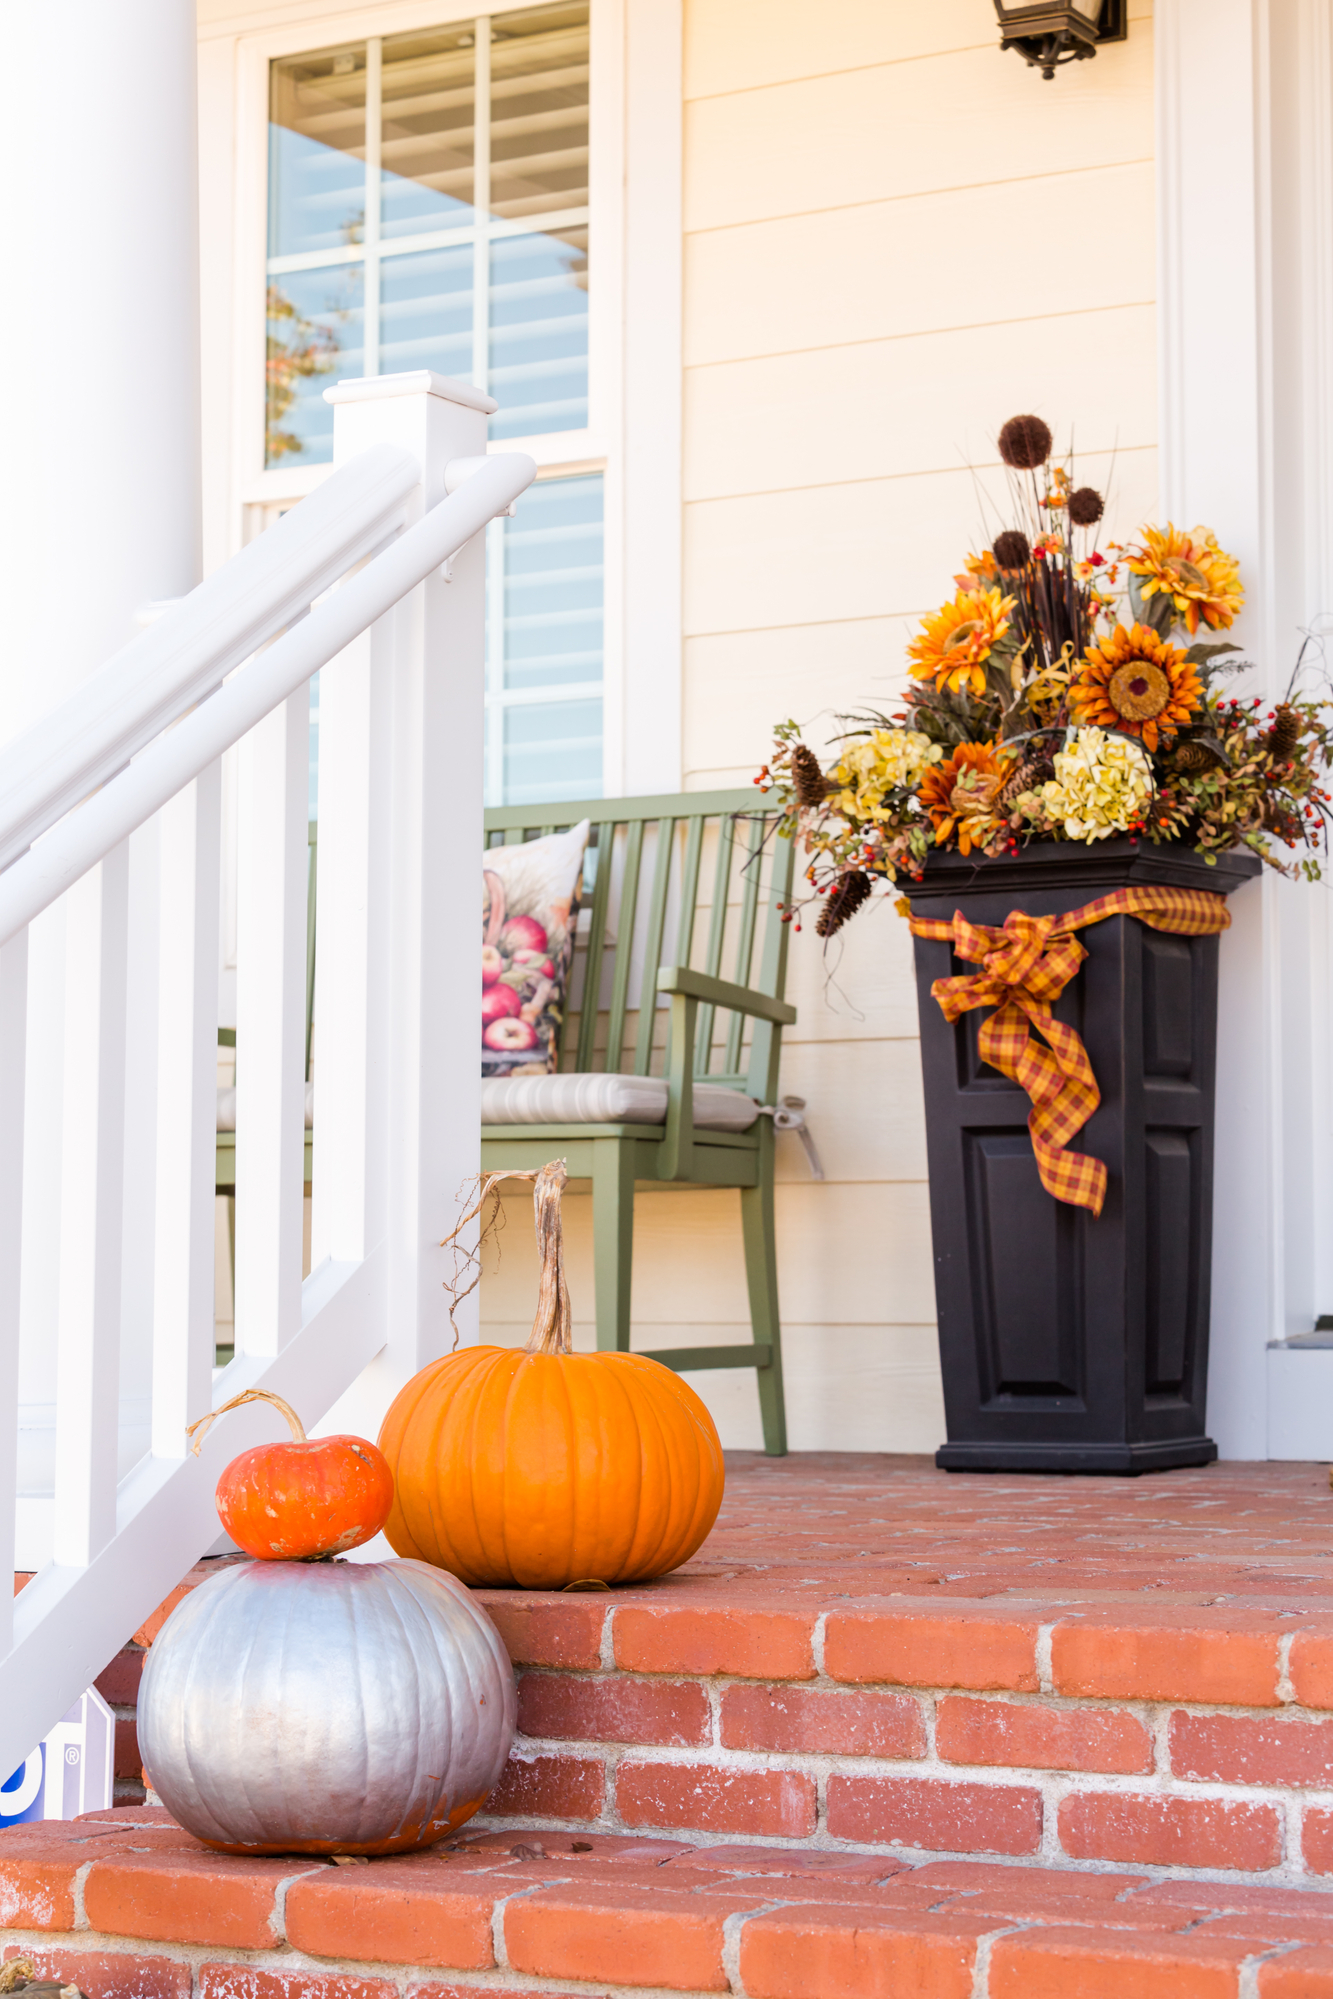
column 72, row 1770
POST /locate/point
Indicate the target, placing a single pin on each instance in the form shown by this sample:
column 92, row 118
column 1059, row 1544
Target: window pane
column 317, row 149
column 426, row 312
column 314, row 336
column 539, row 111
column 539, row 333
column 553, row 750
column 553, row 585
column 427, row 142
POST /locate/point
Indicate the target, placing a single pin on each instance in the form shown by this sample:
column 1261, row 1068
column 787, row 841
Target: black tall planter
column 1071, row 1342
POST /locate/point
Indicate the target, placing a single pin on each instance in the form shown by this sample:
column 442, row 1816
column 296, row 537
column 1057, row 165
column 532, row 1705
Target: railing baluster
column 93, row 1165
column 13, row 1065
column 189, row 890
column 270, row 1026
column 349, row 921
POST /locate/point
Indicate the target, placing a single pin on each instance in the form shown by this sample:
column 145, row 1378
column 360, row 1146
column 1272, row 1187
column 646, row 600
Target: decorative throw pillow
column 529, row 910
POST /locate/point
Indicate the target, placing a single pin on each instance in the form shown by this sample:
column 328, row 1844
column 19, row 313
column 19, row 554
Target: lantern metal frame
column 1050, row 33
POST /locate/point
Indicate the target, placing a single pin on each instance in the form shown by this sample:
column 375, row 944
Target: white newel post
column 397, row 1080
column 1245, row 132
column 100, row 502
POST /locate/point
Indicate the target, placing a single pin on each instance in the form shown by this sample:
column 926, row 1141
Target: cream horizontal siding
column 895, row 238
column 961, row 119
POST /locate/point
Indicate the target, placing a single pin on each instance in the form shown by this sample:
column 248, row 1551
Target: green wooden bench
column 642, row 873
column 644, row 934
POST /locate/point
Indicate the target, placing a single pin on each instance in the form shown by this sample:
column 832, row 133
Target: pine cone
column 1190, row 759
column 844, row 899
column 1032, row 771
column 1285, row 733
column 808, row 780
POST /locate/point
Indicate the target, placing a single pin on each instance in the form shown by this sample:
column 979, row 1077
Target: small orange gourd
column 298, row 1501
column 545, row 1468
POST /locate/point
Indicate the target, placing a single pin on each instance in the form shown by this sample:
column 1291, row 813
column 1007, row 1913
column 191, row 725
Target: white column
column 397, row 967
column 1245, row 136
column 99, row 342
column 99, row 437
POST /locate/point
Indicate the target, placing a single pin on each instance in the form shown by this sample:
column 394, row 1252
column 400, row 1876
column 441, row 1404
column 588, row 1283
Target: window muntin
column 406, row 175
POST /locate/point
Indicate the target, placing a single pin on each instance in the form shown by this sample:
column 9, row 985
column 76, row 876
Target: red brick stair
column 129, row 1907
column 890, row 1732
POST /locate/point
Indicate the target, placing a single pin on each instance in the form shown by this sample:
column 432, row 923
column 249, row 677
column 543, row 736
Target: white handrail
column 188, row 651
column 86, row 835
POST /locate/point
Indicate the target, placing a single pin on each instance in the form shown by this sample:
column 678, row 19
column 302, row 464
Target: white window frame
column 596, row 449
column 633, row 436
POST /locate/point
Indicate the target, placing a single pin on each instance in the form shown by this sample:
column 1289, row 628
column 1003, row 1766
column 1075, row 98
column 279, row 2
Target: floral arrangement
column 1052, row 699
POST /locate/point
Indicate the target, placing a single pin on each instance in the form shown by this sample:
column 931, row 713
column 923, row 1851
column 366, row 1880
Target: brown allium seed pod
column 1086, row 507
column 808, row 780
column 1285, row 733
column 1025, row 443
column 844, row 899
column 1012, row 549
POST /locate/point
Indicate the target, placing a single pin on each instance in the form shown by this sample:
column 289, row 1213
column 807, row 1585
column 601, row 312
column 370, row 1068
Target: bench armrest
column 716, row 992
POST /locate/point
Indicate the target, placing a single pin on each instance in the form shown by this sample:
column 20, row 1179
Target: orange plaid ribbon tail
column 1026, row 966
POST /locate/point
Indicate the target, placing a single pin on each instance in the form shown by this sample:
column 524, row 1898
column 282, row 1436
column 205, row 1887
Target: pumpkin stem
column 203, row 1423
column 551, row 1327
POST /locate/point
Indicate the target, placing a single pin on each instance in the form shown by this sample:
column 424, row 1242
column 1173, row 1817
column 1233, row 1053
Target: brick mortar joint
column 985, row 1944
column 1158, row 1783
column 76, row 1894
column 1144, row 1707
column 277, row 1919
column 499, row 1946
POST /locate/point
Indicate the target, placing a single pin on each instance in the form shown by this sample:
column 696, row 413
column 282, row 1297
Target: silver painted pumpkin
column 326, row 1707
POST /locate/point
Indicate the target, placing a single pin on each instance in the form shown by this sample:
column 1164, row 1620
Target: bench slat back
column 645, row 862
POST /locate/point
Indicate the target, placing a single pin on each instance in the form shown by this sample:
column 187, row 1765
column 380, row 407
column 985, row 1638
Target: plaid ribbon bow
column 1027, row 966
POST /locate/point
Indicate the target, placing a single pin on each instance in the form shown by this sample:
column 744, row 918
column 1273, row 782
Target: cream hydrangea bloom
column 1102, row 785
column 876, row 764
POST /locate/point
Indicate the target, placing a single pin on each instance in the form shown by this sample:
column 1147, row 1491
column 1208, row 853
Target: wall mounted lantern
column 1048, row 33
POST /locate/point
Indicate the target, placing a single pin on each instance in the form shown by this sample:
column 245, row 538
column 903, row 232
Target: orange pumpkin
column 298, row 1501
column 547, row 1468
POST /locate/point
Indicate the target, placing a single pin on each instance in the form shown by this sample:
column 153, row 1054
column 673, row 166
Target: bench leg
column 761, row 1271
column 612, row 1240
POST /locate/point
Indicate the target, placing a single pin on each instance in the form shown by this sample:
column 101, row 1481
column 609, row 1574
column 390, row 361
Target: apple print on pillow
column 529, row 909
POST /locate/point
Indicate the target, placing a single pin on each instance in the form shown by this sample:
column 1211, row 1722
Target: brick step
column 1175, row 1736
column 869, row 1654
column 129, row 1907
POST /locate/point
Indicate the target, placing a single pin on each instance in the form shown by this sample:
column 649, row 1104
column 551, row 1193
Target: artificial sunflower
column 1200, row 578
column 1136, row 682
column 953, row 646
column 960, row 795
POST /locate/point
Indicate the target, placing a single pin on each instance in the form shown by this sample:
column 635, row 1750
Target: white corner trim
column 650, row 496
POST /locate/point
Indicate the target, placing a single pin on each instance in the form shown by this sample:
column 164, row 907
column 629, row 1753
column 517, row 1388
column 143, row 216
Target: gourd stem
column 551, row 1327
column 203, row 1423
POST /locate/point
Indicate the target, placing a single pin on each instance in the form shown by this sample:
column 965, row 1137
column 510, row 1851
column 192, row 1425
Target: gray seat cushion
column 602, row 1099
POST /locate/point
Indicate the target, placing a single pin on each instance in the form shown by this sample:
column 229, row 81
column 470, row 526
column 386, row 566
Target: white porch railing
column 110, row 845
